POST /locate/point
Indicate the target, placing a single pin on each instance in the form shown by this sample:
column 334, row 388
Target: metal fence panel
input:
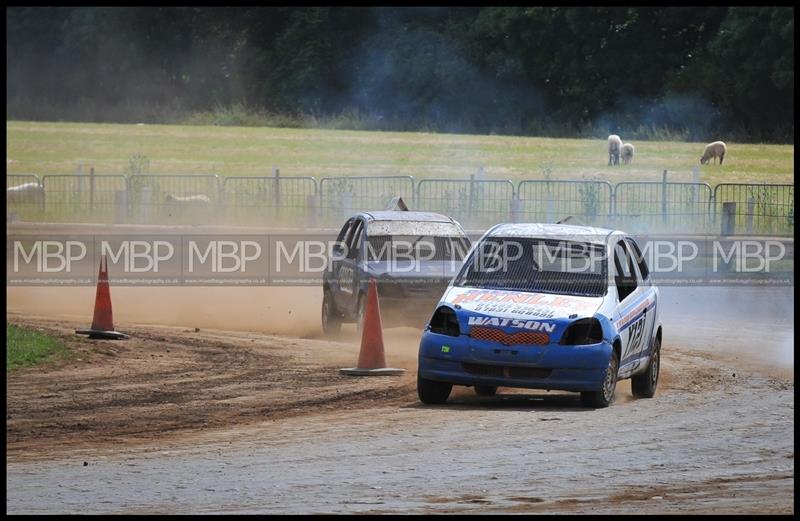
column 341, row 196
column 201, row 199
column 760, row 208
column 24, row 195
column 550, row 201
column 169, row 198
column 81, row 197
column 472, row 202
column 13, row 180
column 262, row 200
column 655, row 206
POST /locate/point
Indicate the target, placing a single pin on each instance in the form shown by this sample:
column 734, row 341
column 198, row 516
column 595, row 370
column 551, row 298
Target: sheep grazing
column 25, row 194
column 614, row 144
column 714, row 150
column 188, row 199
column 626, row 151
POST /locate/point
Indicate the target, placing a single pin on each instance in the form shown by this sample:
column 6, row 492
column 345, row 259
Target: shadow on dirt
column 512, row 402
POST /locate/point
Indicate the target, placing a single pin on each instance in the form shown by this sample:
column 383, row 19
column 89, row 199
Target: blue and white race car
column 545, row 306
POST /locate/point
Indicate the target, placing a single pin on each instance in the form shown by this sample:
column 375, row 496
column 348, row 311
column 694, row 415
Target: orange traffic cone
column 103, row 322
column 371, row 360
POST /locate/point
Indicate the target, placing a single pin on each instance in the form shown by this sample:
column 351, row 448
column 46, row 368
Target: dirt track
column 170, row 380
column 250, row 415
column 178, row 421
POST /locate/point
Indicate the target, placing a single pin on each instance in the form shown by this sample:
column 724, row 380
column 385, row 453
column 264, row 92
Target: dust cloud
column 756, row 322
column 291, row 311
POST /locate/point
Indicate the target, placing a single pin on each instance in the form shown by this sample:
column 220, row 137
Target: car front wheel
column 644, row 385
column 605, row 395
column 432, row 392
column 331, row 320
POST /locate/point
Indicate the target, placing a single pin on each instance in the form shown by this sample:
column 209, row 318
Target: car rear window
column 432, row 228
column 537, row 266
column 416, row 247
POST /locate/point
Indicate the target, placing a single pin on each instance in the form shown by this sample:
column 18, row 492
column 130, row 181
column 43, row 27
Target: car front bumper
column 466, row 361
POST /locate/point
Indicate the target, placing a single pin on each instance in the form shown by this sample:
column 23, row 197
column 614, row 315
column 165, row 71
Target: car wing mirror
column 338, row 251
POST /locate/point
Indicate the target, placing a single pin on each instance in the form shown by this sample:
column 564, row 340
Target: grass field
column 26, row 347
column 58, row 148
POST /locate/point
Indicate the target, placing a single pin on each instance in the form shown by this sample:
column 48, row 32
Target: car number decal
column 636, row 334
column 346, row 279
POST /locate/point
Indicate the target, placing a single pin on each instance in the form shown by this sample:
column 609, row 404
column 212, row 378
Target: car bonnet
column 516, row 307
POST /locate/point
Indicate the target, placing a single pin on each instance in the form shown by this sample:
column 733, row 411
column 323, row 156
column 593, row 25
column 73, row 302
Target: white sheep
column 714, row 150
column 614, row 144
column 25, row 193
column 188, row 199
column 626, row 151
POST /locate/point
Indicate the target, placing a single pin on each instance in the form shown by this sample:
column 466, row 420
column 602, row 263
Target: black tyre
column 644, row 385
column 604, row 396
column 331, row 319
column 485, row 390
column 432, row 392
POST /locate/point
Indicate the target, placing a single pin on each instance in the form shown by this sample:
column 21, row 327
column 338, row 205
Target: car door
column 350, row 274
column 649, row 294
column 630, row 321
column 340, row 282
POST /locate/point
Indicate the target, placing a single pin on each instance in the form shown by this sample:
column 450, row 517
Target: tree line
column 699, row 73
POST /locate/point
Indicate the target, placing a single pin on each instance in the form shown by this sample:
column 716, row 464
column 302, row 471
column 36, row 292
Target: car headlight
column 582, row 332
column 445, row 322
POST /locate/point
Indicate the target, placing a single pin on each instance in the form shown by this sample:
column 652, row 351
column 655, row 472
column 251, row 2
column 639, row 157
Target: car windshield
column 416, row 247
column 536, row 266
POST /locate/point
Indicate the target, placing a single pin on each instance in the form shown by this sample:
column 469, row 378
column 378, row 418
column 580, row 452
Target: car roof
column 568, row 232
column 399, row 215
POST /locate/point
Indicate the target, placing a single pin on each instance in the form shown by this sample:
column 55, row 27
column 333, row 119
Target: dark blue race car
column 411, row 255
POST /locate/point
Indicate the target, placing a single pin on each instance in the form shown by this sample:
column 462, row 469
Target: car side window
column 345, row 229
column 354, row 246
column 341, row 239
column 625, row 273
column 637, row 254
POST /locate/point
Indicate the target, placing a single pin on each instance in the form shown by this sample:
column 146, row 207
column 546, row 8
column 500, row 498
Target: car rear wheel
column 432, row 392
column 605, row 395
column 644, row 385
column 485, row 390
column 331, row 320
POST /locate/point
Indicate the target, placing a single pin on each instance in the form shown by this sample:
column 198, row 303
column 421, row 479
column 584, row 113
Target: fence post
column 612, row 204
column 664, row 197
column 79, row 172
column 120, row 206
column 220, row 203
column 516, row 209
column 144, row 214
column 750, row 207
column 696, row 180
column 91, row 190
column 728, row 228
column 728, row 219
column 277, row 190
column 471, row 193
column 129, row 198
column 347, row 203
column 312, row 205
